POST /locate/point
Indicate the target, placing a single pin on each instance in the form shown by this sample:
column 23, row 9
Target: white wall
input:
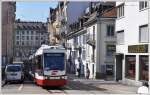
column 133, row 18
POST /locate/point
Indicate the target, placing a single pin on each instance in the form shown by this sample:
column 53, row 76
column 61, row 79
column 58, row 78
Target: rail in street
column 73, row 86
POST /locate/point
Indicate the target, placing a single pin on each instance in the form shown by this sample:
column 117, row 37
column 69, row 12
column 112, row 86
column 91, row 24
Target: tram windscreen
column 53, row 61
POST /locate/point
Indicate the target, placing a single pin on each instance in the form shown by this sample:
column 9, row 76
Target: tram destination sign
column 138, row 48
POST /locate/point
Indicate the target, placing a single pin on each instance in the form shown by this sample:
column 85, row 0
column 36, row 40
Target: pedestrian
column 78, row 70
column 87, row 72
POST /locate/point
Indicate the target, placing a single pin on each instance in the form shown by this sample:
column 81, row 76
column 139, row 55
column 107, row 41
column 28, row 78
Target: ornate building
column 28, row 37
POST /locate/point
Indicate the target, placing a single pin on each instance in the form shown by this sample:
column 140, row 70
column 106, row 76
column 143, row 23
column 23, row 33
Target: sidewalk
column 84, row 80
column 111, row 86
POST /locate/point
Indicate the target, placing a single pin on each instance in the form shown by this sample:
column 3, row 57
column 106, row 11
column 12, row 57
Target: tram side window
column 38, row 65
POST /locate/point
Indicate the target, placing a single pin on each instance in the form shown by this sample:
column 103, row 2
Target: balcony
column 110, row 38
column 90, row 40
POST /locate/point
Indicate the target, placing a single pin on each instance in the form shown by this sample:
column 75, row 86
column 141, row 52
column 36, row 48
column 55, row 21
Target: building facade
column 61, row 17
column 28, row 37
column 53, row 26
column 8, row 19
column 94, row 40
column 71, row 42
column 132, row 42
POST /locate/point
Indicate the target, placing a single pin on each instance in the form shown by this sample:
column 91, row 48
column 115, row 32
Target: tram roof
column 47, row 47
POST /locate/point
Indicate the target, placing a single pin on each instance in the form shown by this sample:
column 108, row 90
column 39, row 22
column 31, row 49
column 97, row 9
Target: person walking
column 78, row 70
column 87, row 73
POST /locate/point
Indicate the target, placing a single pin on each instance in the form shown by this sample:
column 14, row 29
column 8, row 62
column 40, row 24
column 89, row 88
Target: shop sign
column 138, row 48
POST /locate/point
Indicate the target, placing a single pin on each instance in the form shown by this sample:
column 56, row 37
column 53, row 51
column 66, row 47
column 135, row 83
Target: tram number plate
column 53, row 77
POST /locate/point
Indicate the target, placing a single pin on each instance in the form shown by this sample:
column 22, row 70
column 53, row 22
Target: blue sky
column 34, row 11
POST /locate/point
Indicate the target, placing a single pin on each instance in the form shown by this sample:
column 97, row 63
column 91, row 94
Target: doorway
column 119, row 59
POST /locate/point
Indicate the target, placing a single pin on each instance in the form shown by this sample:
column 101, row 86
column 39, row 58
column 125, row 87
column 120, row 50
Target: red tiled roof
column 110, row 13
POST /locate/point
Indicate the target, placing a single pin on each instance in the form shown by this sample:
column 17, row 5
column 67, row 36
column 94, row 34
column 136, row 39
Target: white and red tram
column 48, row 66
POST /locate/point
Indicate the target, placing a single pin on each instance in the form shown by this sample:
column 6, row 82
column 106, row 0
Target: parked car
column 14, row 72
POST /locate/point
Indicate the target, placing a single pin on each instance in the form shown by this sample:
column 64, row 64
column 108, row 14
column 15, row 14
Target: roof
column 110, row 13
column 45, row 47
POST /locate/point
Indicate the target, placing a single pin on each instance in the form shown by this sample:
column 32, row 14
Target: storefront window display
column 130, row 66
column 143, row 67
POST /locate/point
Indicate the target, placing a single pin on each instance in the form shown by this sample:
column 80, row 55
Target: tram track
column 57, row 90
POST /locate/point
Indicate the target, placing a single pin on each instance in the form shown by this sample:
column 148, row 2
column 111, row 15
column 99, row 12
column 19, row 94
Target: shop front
column 133, row 65
column 136, row 64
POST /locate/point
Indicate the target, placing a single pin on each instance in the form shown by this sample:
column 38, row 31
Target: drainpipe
column 149, row 42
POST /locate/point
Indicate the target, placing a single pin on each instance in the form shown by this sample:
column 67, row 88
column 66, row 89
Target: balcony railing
column 90, row 40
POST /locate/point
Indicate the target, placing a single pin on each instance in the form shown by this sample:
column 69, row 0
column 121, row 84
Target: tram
column 48, row 66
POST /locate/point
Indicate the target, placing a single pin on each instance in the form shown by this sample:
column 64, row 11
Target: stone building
column 28, row 37
column 53, row 26
column 8, row 19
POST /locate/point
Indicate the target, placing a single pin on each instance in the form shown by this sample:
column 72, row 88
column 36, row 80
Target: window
column 31, row 37
column 17, row 43
column 32, row 32
column 84, row 39
column 93, row 29
column 93, row 69
column 27, row 37
column 22, row 32
column 120, row 37
column 109, row 69
column 84, row 54
column 120, row 11
column 93, row 32
column 36, row 38
column 18, row 32
column 22, row 43
column 130, row 66
column 110, row 30
column 22, row 37
column 143, row 5
column 17, row 37
column 27, row 32
column 143, row 67
column 143, row 33
column 110, row 49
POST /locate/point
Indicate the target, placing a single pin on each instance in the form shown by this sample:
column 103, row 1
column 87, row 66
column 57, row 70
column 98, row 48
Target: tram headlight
column 64, row 77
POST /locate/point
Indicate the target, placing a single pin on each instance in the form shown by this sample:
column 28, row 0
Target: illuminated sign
column 138, row 48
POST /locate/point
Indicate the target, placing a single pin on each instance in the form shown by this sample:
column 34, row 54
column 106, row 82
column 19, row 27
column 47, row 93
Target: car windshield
column 54, row 61
column 13, row 68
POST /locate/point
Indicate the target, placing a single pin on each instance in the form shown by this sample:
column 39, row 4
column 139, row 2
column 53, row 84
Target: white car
column 14, row 72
